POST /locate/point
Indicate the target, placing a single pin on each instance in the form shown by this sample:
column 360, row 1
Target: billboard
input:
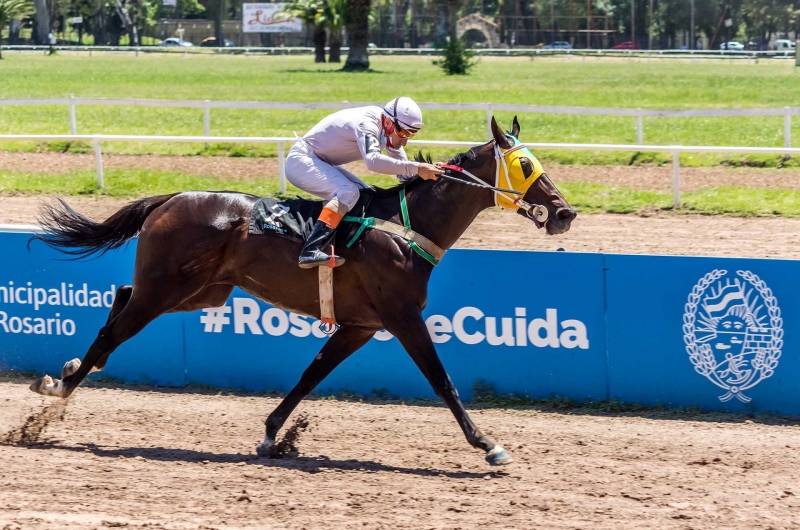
column 265, row 18
column 717, row 333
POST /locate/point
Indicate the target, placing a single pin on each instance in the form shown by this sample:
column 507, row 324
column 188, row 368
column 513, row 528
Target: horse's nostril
column 566, row 213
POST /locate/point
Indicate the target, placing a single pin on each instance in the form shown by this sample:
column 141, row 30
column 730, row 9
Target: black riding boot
column 313, row 254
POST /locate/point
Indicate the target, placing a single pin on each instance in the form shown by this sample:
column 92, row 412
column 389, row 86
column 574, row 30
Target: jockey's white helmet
column 405, row 114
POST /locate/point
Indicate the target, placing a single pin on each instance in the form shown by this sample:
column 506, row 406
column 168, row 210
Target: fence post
column 639, row 131
column 281, row 168
column 787, row 130
column 98, row 160
column 206, row 121
column 73, row 126
column 676, row 179
column 489, row 121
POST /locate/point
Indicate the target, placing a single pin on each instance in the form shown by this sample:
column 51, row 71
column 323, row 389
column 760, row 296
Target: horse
column 194, row 248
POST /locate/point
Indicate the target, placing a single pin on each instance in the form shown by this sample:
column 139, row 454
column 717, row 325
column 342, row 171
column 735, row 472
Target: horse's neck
column 443, row 210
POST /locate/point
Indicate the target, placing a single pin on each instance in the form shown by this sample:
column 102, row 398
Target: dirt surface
column 628, row 234
column 137, row 458
column 637, row 177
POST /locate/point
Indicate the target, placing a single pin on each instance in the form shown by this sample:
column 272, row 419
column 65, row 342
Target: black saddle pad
column 294, row 218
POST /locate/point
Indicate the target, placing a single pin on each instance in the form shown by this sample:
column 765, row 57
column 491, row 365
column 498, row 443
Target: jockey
column 314, row 163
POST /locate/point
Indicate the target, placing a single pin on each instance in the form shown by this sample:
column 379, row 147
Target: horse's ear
column 515, row 128
column 500, row 137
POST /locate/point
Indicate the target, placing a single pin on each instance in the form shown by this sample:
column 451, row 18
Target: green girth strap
column 365, row 222
column 407, row 223
column 421, row 245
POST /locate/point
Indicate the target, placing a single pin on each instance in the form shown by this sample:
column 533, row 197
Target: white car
column 784, row 45
column 732, row 46
column 174, row 41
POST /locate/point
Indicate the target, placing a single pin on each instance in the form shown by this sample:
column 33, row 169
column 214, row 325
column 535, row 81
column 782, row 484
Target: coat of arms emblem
column 733, row 331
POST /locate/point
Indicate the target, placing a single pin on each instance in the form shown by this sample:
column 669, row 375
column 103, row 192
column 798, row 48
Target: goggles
column 402, row 133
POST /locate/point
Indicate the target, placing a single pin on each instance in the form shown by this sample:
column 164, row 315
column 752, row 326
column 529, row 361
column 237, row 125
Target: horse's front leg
column 343, row 343
column 410, row 329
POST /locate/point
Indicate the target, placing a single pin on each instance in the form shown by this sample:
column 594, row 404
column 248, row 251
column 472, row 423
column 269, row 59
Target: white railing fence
column 491, row 52
column 674, row 150
column 488, row 108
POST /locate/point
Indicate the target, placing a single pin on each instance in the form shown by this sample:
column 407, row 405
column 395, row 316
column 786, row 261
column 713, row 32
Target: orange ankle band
column 330, row 218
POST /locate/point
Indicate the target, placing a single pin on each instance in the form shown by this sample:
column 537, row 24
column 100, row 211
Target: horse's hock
column 476, row 26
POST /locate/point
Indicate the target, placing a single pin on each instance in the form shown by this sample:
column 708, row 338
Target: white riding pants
column 308, row 172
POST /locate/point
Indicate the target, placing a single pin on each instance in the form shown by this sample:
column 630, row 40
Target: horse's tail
column 71, row 233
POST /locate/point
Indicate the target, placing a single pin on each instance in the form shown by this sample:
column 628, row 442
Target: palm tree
column 311, row 13
column 10, row 9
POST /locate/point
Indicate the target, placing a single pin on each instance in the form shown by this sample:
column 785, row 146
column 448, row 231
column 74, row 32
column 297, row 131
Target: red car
column 627, row 45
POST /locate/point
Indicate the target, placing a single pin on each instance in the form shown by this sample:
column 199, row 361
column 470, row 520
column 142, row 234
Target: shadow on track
column 307, row 464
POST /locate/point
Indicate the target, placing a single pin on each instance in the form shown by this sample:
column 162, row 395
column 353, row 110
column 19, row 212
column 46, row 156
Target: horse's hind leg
column 145, row 305
column 339, row 347
column 121, row 299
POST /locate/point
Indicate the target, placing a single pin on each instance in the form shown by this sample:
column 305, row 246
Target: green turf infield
column 657, row 84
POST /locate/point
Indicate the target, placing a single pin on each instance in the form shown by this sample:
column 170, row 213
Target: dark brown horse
column 193, row 249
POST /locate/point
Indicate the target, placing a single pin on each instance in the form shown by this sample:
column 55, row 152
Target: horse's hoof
column 497, row 456
column 47, row 387
column 264, row 449
column 70, row 367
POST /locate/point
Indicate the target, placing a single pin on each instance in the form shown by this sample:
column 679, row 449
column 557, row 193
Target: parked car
column 732, row 46
column 784, row 45
column 211, row 42
column 627, row 45
column 174, row 41
column 558, row 45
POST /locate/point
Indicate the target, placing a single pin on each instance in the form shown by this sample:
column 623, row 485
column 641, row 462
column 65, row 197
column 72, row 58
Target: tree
column 310, row 12
column 333, row 17
column 11, row 9
column 357, row 35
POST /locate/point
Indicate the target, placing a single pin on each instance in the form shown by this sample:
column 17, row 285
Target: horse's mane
column 457, row 160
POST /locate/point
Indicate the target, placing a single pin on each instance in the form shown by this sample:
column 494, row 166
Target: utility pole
column 220, row 10
column 588, row 24
column 633, row 25
column 691, row 30
column 552, row 22
column 650, row 37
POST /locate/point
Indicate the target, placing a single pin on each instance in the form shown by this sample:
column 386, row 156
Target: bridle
column 536, row 212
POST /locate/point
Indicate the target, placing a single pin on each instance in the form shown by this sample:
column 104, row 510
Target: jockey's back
column 356, row 134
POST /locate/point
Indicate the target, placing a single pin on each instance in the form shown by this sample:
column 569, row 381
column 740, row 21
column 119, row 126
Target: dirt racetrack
column 147, row 458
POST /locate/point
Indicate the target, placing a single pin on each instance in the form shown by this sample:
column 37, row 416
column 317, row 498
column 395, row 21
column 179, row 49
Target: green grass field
column 574, row 82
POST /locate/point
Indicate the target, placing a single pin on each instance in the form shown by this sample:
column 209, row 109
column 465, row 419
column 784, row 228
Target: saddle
column 294, row 219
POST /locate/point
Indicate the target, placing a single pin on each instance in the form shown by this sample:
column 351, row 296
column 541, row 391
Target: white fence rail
column 674, row 150
column 488, row 108
column 495, row 52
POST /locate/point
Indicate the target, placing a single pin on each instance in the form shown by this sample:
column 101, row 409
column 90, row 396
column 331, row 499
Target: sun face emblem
column 733, row 331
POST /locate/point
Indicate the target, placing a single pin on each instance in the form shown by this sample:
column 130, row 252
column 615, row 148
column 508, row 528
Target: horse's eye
column 527, row 166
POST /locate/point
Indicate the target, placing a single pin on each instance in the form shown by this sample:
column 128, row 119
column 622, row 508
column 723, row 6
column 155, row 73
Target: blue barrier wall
column 659, row 330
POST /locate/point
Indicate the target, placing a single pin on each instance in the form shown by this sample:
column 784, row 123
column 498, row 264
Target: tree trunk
column 358, row 36
column 319, row 44
column 335, row 43
column 42, row 19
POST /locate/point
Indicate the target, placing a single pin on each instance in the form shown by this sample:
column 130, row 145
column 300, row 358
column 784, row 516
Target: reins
column 478, row 184
column 426, row 248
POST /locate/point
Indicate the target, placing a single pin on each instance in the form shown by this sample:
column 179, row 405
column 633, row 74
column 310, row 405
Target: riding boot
column 313, row 254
